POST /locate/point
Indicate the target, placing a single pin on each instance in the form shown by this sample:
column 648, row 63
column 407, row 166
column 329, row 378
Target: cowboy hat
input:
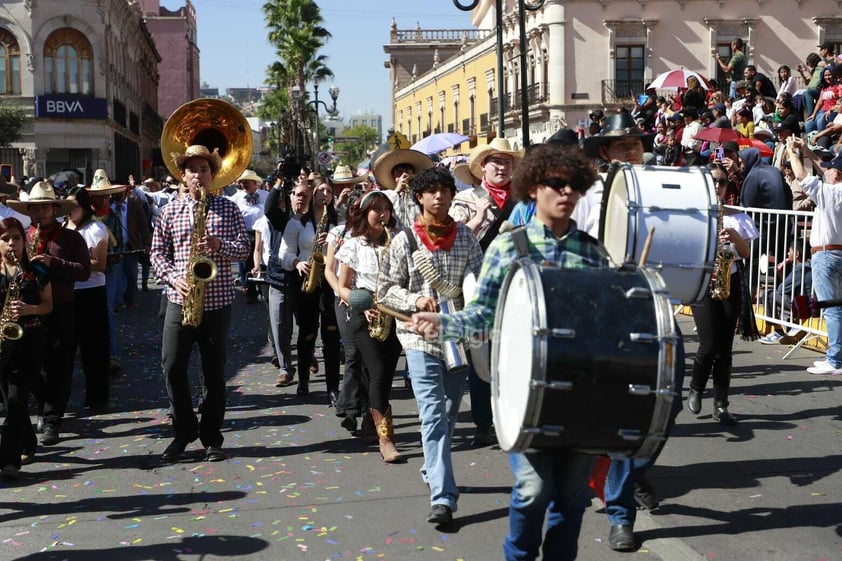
column 462, row 172
column 617, row 125
column 343, row 174
column 387, row 161
column 198, row 151
column 479, row 154
column 250, row 175
column 101, row 185
column 42, row 193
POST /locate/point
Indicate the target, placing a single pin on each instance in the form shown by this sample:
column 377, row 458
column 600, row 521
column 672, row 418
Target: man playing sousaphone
column 175, row 250
column 393, row 171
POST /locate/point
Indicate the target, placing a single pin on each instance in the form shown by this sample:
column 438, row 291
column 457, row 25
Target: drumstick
column 646, row 247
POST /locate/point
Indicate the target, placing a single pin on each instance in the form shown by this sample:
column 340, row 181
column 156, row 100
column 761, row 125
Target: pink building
column 174, row 33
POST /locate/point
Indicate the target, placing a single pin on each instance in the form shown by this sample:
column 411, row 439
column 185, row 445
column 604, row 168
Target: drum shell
column 614, row 342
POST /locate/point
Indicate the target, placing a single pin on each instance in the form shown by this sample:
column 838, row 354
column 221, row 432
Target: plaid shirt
column 171, row 246
column 402, row 284
column 576, row 250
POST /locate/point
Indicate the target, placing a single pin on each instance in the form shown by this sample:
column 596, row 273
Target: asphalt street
column 299, row 487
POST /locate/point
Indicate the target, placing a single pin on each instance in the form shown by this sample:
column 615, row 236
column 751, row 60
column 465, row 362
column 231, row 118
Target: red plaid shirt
column 171, row 246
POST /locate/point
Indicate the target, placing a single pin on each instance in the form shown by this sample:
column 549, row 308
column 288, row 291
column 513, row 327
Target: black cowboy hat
column 617, row 125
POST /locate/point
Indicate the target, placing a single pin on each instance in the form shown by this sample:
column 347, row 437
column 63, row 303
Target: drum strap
column 521, row 241
column 500, row 216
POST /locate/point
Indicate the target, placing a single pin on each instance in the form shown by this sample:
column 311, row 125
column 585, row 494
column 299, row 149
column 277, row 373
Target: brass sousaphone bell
column 215, row 124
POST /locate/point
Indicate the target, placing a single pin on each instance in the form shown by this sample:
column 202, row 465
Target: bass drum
column 681, row 204
column 584, row 359
column 480, row 351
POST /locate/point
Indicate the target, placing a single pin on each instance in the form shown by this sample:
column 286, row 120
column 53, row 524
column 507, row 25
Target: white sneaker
column 772, row 338
column 824, row 369
column 822, row 364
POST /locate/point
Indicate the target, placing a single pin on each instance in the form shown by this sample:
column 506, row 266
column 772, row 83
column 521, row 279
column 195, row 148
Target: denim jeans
column 827, row 284
column 438, row 395
column 280, row 322
column 547, row 479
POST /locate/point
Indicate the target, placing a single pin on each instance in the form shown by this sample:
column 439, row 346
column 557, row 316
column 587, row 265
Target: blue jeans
column 438, row 394
column 827, row 284
column 547, row 479
column 280, row 324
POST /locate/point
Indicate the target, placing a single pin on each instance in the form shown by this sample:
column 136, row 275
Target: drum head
column 614, row 233
column 520, row 311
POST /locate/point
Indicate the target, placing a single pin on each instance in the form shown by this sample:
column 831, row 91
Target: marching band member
column 27, row 296
column 224, row 242
column 450, row 250
column 555, row 177
column 393, row 172
column 65, row 255
column 360, row 266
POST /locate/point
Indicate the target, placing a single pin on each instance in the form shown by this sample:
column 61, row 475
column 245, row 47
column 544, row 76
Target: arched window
column 9, row 64
column 68, row 63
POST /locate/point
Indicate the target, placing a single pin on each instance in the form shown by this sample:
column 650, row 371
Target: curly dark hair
column 553, row 160
column 359, row 222
column 430, row 180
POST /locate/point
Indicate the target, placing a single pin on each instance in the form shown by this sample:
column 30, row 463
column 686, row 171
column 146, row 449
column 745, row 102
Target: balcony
column 621, row 91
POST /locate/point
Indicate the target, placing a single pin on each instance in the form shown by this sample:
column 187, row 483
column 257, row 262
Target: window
column 68, row 63
column 9, row 64
column 630, row 64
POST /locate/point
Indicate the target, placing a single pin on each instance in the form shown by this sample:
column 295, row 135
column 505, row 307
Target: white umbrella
column 439, row 142
column 676, row 79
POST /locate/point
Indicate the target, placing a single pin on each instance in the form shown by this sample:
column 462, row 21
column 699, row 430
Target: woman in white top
column 90, row 302
column 716, row 320
column 301, row 236
column 359, row 265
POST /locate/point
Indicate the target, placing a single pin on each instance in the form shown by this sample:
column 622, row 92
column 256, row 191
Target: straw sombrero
column 198, row 151
column 462, row 172
column 343, row 175
column 42, row 193
column 497, row 146
column 387, row 161
column 101, row 185
column 250, row 175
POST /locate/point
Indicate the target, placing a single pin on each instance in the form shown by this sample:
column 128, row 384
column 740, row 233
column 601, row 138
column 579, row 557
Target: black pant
column 716, row 321
column 176, row 347
column 350, row 400
column 310, row 311
column 53, row 389
column 379, row 360
column 91, row 321
column 20, row 365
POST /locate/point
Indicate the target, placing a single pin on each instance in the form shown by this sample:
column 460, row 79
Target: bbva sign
column 71, row 107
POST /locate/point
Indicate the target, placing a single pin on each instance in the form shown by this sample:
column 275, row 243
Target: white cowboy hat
column 198, row 151
column 387, row 161
column 42, row 193
column 343, row 175
column 462, row 172
column 499, row 145
column 101, row 185
column 249, row 175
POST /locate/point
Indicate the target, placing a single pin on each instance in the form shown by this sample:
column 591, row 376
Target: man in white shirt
column 692, row 127
column 250, row 200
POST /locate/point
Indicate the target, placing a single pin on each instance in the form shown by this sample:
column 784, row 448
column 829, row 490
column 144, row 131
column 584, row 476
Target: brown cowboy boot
column 368, row 432
column 385, row 431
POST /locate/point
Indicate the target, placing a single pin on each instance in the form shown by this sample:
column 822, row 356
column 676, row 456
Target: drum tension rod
column 549, row 430
column 643, row 337
column 554, row 385
column 629, row 434
column 557, row 332
column 640, row 389
column 638, row 292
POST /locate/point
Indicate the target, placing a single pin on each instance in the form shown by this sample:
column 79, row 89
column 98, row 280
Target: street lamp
column 523, row 5
column 334, row 95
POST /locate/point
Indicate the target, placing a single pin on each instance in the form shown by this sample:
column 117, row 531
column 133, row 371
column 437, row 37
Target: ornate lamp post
column 334, row 95
column 523, row 5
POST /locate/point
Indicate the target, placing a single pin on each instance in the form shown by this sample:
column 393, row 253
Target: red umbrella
column 765, row 151
column 676, row 79
column 716, row 134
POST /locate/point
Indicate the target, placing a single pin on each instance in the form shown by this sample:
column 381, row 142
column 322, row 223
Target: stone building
column 87, row 73
column 583, row 55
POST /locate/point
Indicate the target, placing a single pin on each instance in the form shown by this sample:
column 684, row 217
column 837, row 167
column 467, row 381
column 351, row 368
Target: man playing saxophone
column 174, row 257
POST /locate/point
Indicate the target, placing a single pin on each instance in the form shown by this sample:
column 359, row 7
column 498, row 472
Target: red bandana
column 499, row 194
column 436, row 236
column 105, row 211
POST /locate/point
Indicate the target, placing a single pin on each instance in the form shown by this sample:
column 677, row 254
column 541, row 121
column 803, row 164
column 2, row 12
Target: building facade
column 87, row 74
column 584, row 55
column 371, row 120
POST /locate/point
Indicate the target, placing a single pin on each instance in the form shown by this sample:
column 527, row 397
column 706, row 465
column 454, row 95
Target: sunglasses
column 557, row 183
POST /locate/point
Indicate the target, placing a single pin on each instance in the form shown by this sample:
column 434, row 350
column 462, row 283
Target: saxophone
column 200, row 269
column 9, row 329
column 32, row 250
column 380, row 328
column 317, row 259
column 720, row 281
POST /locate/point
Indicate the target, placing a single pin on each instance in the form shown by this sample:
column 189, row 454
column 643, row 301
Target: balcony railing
column 621, row 91
column 437, row 35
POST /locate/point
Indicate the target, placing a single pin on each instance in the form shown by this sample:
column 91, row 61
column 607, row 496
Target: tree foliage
column 357, row 150
column 12, row 120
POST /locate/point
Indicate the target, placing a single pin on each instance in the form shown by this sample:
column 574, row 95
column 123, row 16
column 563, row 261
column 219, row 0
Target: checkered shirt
column 171, row 246
column 575, row 250
column 402, row 284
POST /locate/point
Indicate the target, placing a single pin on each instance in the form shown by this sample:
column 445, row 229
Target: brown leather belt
column 830, row 247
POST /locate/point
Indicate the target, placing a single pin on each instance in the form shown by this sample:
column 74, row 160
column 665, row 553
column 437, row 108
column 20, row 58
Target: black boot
column 694, row 401
column 720, row 407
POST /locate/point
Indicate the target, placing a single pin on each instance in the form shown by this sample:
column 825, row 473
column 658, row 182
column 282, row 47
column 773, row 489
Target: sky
column 234, row 51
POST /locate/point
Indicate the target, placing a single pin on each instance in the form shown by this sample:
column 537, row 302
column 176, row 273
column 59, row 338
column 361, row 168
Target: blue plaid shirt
column 574, row 250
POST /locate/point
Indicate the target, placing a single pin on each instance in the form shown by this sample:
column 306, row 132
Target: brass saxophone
column 9, row 329
column 317, row 259
column 720, row 285
column 200, row 269
column 380, row 328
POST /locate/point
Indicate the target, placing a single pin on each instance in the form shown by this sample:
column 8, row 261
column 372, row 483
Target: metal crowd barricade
column 777, row 229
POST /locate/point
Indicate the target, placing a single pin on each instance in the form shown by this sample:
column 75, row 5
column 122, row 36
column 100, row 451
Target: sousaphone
column 212, row 123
